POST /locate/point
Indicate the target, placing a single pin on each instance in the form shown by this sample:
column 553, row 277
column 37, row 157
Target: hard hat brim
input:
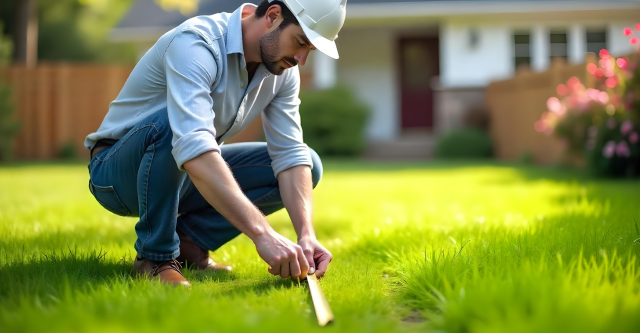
column 323, row 45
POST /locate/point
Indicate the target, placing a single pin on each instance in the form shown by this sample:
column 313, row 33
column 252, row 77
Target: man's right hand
column 284, row 256
column 213, row 179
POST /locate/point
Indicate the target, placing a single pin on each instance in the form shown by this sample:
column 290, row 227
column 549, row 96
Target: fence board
column 59, row 104
column 515, row 104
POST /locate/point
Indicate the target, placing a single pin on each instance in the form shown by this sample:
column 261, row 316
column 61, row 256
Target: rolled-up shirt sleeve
column 190, row 68
column 281, row 123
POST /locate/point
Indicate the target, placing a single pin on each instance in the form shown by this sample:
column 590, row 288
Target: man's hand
column 284, row 256
column 317, row 255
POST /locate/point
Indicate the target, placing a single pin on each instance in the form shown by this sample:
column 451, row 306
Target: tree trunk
column 26, row 33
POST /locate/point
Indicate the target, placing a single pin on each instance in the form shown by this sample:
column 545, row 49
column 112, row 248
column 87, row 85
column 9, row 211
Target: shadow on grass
column 49, row 275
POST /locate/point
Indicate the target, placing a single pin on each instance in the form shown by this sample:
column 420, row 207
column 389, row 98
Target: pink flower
column 626, row 127
column 627, row 31
column 603, row 97
column 634, row 137
column 599, row 73
column 604, row 53
column 622, row 63
column 609, row 149
column 562, row 89
column 597, row 96
column 611, row 82
column 633, row 40
column 615, row 100
column 574, row 83
column 611, row 123
column 622, row 149
column 540, row 126
column 592, row 68
column 637, row 26
column 554, row 105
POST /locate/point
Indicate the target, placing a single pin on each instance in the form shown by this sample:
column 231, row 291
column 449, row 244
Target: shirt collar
column 234, row 34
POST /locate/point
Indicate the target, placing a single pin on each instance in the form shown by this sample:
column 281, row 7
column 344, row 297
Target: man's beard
column 269, row 51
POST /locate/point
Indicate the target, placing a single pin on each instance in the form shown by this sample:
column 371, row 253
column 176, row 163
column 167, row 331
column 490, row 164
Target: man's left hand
column 317, row 255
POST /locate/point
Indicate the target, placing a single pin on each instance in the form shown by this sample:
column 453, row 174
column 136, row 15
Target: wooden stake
column 323, row 311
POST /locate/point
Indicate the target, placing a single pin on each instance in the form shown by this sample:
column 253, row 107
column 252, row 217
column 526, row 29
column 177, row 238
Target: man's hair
column 287, row 15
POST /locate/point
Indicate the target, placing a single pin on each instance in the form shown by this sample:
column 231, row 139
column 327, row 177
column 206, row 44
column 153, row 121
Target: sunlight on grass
column 453, row 247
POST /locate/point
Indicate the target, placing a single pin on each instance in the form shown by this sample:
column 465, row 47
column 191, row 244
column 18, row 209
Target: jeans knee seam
column 146, row 199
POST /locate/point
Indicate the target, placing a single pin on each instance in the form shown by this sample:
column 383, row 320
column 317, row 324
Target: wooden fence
column 515, row 104
column 58, row 105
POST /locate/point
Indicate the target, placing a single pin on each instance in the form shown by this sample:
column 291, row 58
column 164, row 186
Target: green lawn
column 463, row 247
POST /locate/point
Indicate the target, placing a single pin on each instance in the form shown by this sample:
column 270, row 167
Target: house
column 421, row 65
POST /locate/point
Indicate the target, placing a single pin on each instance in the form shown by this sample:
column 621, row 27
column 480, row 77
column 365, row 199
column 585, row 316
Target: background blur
column 415, row 78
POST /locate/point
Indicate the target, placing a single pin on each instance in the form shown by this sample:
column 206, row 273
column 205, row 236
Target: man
column 157, row 154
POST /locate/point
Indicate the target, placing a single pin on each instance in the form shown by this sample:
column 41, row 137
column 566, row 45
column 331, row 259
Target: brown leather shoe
column 196, row 257
column 167, row 271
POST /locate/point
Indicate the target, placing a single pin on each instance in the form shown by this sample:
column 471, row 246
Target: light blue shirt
column 199, row 73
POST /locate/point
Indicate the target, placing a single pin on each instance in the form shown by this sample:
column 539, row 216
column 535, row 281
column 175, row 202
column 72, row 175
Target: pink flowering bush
column 602, row 124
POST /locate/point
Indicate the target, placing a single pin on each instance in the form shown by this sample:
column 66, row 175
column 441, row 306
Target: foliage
column 76, row 30
column 8, row 126
column 451, row 247
column 464, row 143
column 6, row 48
column 603, row 123
column 68, row 151
column 333, row 122
column 186, row 7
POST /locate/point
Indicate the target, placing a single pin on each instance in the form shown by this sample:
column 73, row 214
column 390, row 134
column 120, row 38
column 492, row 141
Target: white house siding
column 617, row 42
column 368, row 61
column 462, row 65
column 367, row 66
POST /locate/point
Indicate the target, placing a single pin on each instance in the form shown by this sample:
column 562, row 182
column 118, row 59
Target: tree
column 72, row 30
column 8, row 127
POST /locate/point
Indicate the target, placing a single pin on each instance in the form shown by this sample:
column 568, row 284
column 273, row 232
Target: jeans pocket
column 108, row 198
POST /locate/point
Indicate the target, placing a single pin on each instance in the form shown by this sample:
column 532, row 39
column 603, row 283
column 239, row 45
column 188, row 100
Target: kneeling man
column 158, row 155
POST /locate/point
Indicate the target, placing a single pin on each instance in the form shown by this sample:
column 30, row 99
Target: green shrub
column 8, row 127
column 464, row 143
column 613, row 149
column 68, row 151
column 333, row 122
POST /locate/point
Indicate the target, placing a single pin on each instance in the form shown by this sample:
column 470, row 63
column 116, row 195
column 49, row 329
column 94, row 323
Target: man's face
column 284, row 48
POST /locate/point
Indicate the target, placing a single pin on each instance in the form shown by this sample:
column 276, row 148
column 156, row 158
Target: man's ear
column 273, row 16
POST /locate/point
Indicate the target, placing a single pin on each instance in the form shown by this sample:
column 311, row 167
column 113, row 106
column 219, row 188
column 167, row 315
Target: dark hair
column 287, row 15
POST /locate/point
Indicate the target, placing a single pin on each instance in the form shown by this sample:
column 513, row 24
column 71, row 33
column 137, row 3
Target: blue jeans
column 138, row 176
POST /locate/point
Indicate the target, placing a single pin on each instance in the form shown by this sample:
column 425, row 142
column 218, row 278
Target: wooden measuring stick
column 323, row 311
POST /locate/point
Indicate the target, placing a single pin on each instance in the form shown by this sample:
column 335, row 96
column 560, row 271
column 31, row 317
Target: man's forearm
column 296, row 189
column 213, row 179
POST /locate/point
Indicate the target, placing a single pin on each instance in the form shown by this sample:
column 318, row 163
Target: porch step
column 408, row 147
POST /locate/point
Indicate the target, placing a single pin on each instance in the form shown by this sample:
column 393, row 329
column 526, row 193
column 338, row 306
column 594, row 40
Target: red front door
column 419, row 62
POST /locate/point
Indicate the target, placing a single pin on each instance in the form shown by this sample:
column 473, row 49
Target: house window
column 596, row 40
column 522, row 49
column 558, row 45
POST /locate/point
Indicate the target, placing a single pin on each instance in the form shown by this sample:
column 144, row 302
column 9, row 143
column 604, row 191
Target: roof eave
column 434, row 9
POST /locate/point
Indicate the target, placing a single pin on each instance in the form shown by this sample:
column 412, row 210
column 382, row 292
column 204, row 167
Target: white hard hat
column 320, row 20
